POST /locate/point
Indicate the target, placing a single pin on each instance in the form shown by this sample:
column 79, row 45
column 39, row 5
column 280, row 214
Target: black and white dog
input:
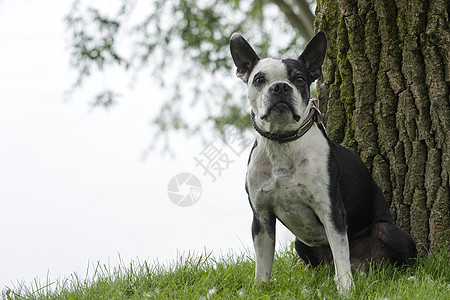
column 320, row 191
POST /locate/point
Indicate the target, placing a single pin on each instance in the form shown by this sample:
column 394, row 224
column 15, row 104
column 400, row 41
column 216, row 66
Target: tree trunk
column 385, row 95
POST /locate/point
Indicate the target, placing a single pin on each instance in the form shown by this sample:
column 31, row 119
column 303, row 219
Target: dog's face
column 278, row 89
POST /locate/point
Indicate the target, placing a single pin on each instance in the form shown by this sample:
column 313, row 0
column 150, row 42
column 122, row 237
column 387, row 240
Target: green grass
column 231, row 277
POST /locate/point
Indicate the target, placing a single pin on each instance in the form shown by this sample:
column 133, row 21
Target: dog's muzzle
column 281, row 101
column 314, row 116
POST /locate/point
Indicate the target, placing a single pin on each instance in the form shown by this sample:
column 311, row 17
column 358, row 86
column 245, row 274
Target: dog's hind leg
column 385, row 242
column 390, row 243
column 313, row 255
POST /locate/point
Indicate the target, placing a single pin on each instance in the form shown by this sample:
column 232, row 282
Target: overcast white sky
column 73, row 190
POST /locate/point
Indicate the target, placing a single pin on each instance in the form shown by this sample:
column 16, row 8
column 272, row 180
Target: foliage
column 184, row 44
column 204, row 277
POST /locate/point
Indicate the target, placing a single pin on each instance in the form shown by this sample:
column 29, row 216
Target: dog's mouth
column 279, row 109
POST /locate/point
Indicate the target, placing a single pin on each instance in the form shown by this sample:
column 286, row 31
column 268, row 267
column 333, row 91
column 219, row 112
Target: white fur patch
column 292, row 180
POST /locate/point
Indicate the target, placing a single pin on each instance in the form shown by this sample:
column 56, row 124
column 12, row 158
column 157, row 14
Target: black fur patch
column 297, row 68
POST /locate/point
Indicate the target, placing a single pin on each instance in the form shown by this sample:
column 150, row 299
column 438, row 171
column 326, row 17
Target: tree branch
column 302, row 23
column 306, row 14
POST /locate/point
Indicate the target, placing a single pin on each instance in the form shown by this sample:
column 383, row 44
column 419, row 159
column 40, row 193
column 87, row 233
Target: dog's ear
column 244, row 56
column 314, row 54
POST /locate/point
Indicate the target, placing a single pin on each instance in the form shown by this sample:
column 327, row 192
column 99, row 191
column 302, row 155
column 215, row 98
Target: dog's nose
column 280, row 88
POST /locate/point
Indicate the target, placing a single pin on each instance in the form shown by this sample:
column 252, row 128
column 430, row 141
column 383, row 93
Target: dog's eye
column 299, row 80
column 260, row 80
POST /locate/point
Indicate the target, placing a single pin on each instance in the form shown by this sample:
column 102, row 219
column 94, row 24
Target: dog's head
column 278, row 89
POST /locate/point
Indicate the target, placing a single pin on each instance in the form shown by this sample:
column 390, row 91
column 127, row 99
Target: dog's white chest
column 294, row 186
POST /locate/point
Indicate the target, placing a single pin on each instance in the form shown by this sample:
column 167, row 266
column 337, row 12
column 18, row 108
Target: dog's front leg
column 263, row 233
column 338, row 241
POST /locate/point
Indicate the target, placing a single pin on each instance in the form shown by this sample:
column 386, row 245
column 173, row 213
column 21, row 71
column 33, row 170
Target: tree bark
column 385, row 93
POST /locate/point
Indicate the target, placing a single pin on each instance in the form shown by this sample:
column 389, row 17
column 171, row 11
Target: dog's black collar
column 314, row 116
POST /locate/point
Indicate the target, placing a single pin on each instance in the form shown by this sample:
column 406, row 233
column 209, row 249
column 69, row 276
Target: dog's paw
column 344, row 285
column 260, row 284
